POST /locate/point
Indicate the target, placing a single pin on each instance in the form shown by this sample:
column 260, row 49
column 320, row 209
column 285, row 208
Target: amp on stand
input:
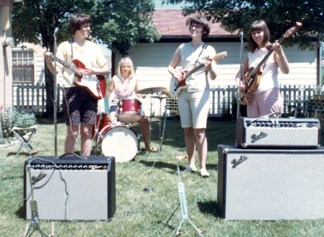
column 278, row 132
column 71, row 188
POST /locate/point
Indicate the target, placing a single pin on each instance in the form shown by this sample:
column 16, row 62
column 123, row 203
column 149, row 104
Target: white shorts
column 193, row 108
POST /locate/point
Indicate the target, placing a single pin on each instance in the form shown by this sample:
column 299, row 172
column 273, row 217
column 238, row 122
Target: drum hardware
column 161, row 135
column 151, row 90
column 102, row 121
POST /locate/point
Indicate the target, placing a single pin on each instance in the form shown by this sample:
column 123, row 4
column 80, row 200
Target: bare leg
column 146, row 131
column 202, row 146
column 112, row 117
column 190, row 145
column 86, row 142
column 71, row 136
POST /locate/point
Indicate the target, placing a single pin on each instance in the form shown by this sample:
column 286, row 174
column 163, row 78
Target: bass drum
column 120, row 142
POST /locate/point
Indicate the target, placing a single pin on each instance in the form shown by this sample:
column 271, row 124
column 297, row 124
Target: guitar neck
column 68, row 65
column 194, row 70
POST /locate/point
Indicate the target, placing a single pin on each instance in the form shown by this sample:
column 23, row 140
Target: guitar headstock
column 293, row 30
column 219, row 56
column 35, row 48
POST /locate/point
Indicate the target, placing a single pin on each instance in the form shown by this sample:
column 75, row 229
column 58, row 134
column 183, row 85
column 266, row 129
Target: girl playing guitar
column 265, row 100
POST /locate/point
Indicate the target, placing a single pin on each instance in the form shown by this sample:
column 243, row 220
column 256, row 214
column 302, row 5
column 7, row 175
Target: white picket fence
column 32, row 98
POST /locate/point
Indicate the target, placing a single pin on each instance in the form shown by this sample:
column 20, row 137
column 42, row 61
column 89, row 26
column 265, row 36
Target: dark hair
column 201, row 21
column 77, row 20
column 258, row 25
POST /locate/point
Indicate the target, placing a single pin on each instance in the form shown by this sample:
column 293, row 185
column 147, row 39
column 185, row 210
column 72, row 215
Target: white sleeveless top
column 189, row 55
column 269, row 77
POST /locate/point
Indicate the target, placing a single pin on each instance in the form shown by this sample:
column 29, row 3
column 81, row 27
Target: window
column 23, row 66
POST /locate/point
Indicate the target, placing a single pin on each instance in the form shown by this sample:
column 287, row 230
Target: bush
column 12, row 118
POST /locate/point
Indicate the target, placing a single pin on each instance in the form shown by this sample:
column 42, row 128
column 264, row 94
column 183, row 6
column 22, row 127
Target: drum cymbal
column 160, row 97
column 151, row 90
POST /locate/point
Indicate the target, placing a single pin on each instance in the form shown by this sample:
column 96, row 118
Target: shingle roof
column 173, row 23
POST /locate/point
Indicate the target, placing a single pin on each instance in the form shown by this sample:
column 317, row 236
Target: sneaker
column 192, row 169
column 204, row 173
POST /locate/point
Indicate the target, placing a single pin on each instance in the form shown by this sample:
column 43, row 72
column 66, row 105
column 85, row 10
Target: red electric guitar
column 95, row 85
column 176, row 87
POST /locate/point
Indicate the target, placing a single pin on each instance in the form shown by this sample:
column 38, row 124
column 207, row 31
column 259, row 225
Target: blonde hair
column 126, row 60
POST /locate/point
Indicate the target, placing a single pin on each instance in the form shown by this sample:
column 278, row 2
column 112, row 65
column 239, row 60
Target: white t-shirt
column 90, row 55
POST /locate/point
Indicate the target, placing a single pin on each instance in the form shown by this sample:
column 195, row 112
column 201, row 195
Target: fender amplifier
column 70, row 188
column 278, row 132
column 270, row 184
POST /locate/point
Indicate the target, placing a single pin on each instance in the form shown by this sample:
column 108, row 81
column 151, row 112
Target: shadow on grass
column 161, row 165
column 16, row 177
column 44, row 120
column 21, row 213
column 209, row 208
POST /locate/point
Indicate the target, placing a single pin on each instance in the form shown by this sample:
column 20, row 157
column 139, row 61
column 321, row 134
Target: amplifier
column 270, row 184
column 278, row 132
column 70, row 188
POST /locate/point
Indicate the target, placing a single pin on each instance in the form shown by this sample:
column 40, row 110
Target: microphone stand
column 238, row 109
column 55, row 95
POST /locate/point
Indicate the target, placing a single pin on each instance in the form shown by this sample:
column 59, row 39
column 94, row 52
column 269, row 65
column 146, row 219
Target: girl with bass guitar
column 265, row 100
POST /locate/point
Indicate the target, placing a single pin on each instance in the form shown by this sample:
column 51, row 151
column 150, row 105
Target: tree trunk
column 49, row 86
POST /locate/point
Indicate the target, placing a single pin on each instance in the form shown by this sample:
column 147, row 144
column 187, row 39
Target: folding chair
column 25, row 139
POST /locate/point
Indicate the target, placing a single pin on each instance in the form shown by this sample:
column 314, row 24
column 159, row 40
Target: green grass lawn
column 140, row 213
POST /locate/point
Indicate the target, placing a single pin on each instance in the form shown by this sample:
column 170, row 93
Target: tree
column 34, row 21
column 118, row 23
column 280, row 15
column 123, row 23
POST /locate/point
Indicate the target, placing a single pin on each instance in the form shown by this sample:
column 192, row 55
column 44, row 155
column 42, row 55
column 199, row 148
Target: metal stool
column 25, row 140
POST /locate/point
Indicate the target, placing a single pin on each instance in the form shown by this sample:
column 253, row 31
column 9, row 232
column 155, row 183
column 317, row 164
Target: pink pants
column 267, row 103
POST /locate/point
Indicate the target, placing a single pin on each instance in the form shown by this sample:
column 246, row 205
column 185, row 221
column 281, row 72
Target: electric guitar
column 253, row 76
column 95, row 85
column 176, row 87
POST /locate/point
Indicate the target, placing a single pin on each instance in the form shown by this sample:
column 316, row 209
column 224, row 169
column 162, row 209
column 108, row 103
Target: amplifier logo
column 255, row 137
column 237, row 162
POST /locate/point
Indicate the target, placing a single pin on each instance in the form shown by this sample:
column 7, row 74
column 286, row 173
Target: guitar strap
column 203, row 47
column 71, row 42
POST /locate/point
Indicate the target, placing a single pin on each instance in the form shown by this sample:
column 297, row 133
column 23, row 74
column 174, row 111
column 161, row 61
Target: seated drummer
column 125, row 85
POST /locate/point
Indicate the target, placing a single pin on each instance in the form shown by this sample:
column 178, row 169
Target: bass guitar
column 253, row 76
column 176, row 87
column 95, row 85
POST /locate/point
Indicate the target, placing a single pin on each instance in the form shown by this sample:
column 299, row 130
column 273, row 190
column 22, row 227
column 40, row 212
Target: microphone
column 241, row 34
column 56, row 30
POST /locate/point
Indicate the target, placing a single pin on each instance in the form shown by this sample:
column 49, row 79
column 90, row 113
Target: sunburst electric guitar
column 253, row 76
column 176, row 87
column 95, row 85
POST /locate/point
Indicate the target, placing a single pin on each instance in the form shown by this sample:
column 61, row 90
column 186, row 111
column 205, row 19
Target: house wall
column 151, row 62
column 5, row 56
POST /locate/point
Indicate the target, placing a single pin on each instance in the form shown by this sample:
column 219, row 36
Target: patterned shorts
column 82, row 107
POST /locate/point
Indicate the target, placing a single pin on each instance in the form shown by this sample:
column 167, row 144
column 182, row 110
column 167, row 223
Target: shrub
column 10, row 118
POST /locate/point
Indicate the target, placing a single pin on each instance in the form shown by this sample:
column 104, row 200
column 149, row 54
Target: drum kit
column 120, row 140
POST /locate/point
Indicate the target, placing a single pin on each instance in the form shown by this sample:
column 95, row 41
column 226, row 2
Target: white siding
column 151, row 62
column 39, row 72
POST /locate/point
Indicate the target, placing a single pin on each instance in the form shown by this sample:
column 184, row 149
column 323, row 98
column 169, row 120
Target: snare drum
column 102, row 121
column 120, row 142
column 129, row 110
